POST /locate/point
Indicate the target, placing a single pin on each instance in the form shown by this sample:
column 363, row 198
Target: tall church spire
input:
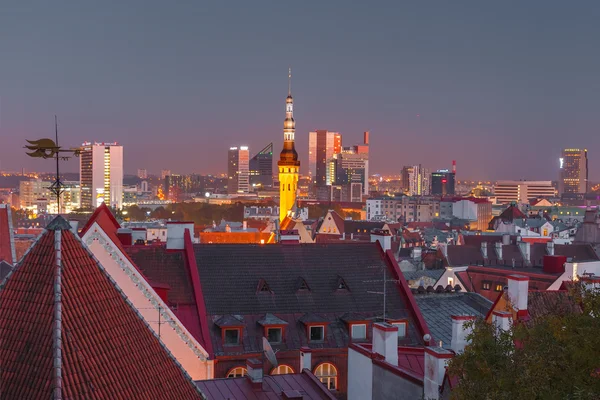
column 288, row 164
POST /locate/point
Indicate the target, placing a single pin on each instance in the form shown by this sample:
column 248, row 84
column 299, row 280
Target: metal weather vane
column 48, row 148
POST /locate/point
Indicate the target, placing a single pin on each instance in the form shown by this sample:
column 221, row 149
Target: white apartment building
column 409, row 209
column 522, row 191
column 101, row 174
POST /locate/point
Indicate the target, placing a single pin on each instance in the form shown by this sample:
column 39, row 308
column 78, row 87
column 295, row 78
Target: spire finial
column 290, row 81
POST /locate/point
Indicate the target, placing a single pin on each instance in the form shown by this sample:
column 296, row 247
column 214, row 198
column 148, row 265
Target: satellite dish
column 268, row 352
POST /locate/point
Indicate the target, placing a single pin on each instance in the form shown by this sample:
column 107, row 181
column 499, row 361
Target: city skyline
column 146, row 83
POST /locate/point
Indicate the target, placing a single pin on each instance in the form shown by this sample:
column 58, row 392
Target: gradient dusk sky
column 500, row 86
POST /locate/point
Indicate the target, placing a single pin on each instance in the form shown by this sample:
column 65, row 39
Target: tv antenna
column 48, row 148
column 385, row 281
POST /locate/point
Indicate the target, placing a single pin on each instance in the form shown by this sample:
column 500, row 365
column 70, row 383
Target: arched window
column 327, row 373
column 282, row 370
column 237, row 372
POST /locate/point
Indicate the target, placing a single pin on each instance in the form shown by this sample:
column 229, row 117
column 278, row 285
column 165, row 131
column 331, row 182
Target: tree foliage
column 554, row 357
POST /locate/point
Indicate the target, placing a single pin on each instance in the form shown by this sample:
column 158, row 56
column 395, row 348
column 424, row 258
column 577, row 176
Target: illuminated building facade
column 101, row 174
column 238, row 170
column 522, row 191
column 573, row 171
column 261, row 168
column 442, row 183
column 322, row 145
column 288, row 164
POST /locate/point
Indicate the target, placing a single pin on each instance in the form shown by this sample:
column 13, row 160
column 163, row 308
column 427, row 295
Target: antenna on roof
column 385, row 281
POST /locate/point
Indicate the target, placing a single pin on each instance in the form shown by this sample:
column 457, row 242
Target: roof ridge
column 57, row 316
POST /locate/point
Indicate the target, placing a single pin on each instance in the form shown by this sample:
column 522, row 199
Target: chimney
column 460, row 332
column 518, row 290
column 502, row 320
column 550, row 247
column 554, row 264
column 290, row 236
column 343, row 235
column 525, row 248
column 175, row 234
column 306, row 358
column 506, row 239
column 416, row 253
column 385, row 341
column 255, row 371
column 351, row 236
column 484, row 250
column 245, row 225
column 436, row 360
column 499, row 250
column 366, row 137
column 383, row 236
column 125, row 236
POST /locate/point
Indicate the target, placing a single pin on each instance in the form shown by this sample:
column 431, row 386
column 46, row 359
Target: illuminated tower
column 288, row 163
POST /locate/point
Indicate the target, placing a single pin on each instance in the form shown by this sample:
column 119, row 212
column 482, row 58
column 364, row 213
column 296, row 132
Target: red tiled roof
column 234, row 237
column 551, row 302
column 7, row 249
column 108, row 351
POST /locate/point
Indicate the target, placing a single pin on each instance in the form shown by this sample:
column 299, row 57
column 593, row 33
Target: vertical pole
column 384, row 292
column 57, row 154
column 159, row 322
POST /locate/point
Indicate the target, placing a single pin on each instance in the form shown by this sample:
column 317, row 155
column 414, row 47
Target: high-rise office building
column 419, row 180
column 164, row 173
column 142, row 173
column 238, row 170
column 322, row 145
column 442, row 182
column 101, row 174
column 573, row 171
column 288, row 164
column 261, row 168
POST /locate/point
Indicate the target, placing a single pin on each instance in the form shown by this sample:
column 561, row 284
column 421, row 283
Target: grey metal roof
column 429, row 273
column 437, row 309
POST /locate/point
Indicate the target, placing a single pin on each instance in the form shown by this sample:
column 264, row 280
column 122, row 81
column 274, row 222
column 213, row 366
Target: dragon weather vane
column 48, row 148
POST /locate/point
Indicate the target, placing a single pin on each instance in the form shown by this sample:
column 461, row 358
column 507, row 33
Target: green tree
column 553, row 357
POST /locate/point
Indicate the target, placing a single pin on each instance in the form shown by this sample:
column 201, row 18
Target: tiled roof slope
column 551, row 302
column 272, row 388
column 438, row 308
column 7, row 244
column 230, row 276
column 108, row 352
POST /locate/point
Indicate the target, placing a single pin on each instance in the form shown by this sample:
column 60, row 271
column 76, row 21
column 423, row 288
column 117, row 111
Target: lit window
column 232, row 336
column 499, row 287
column 486, row 285
column 327, row 374
column 317, row 333
column 401, row 329
column 274, row 335
column 282, row 370
column 451, row 281
column 237, row 372
column 359, row 331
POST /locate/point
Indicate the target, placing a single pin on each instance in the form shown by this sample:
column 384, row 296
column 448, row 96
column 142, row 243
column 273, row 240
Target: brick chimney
column 255, row 371
column 383, row 236
column 498, row 246
column 175, row 233
column 385, row 341
column 525, row 248
column 460, row 331
column 436, row 360
column 484, row 249
column 518, row 290
column 502, row 320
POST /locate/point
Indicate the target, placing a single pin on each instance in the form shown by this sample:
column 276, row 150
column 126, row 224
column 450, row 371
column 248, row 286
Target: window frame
column 239, row 336
column 398, row 323
column 486, row 283
column 327, row 379
column 289, row 370
column 244, row 372
column 355, row 325
column 273, row 327
column 310, row 328
column 499, row 287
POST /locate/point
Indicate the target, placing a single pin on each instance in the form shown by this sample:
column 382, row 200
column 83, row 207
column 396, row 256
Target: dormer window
column 486, row 285
column 359, row 331
column 317, row 333
column 302, row 285
column 232, row 337
column 274, row 335
column 341, row 284
column 263, row 287
column 402, row 328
